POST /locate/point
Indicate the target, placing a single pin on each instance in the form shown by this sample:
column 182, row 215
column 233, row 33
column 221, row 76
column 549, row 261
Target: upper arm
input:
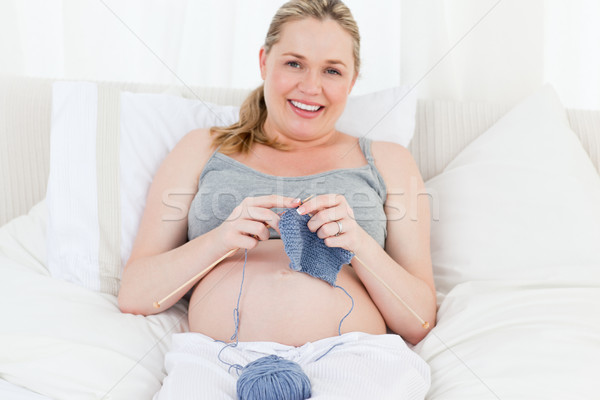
column 407, row 210
column 164, row 222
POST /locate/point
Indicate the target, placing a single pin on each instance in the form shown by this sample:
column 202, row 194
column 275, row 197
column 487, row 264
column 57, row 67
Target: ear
column 262, row 57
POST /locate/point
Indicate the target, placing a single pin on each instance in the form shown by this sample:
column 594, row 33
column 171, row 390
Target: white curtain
column 501, row 50
column 470, row 50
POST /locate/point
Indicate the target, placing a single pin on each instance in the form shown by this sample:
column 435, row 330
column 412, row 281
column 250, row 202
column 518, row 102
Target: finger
column 237, row 237
column 320, row 202
column 246, row 242
column 330, row 229
column 256, row 229
column 264, row 215
column 272, row 201
column 325, row 216
column 335, row 241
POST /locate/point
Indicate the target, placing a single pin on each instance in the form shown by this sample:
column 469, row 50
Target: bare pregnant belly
column 277, row 303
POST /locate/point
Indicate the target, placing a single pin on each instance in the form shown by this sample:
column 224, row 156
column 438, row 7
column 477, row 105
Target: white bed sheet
column 10, row 391
column 67, row 342
column 516, row 340
column 494, row 339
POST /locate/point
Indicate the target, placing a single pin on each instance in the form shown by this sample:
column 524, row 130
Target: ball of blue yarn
column 273, row 378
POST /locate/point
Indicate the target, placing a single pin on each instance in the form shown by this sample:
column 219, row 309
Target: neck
column 293, row 144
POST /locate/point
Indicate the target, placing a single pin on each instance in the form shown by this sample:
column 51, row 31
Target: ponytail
column 239, row 137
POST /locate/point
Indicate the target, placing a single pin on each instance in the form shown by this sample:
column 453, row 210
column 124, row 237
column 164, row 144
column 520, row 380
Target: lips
column 306, row 110
column 305, row 106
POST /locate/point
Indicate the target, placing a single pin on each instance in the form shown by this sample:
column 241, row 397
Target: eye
column 293, row 64
column 333, row 71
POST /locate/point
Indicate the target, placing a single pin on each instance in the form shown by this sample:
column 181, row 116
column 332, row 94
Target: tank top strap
column 206, row 167
column 365, row 147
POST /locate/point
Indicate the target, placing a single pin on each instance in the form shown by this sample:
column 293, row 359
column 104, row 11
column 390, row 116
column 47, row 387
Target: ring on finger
column 340, row 228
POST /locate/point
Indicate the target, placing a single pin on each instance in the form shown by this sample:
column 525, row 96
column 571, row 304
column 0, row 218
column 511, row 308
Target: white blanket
column 516, row 340
column 360, row 366
column 14, row 392
column 67, row 342
column 494, row 340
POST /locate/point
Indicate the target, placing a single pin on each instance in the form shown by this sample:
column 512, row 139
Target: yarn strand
column 270, row 377
column 236, row 321
column 348, row 313
column 236, row 311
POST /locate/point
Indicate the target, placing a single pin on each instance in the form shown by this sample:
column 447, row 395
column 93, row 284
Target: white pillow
column 72, row 195
column 387, row 115
column 151, row 125
column 519, row 202
column 101, row 172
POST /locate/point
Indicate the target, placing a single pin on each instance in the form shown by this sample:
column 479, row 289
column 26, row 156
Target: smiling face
column 308, row 76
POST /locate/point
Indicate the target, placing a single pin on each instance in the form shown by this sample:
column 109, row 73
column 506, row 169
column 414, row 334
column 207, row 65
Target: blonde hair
column 240, row 136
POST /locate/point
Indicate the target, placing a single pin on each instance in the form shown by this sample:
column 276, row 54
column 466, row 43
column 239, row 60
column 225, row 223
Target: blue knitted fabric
column 307, row 252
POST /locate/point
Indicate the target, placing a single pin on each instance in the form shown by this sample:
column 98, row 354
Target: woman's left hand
column 333, row 220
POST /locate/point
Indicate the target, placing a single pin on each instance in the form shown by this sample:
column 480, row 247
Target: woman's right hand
column 249, row 222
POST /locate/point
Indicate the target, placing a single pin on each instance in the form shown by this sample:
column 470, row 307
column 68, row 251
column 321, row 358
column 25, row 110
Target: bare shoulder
column 395, row 163
column 389, row 150
column 198, row 136
column 190, row 154
column 196, row 143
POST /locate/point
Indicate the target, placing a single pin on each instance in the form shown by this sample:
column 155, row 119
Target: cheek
column 274, row 90
column 339, row 94
column 281, row 82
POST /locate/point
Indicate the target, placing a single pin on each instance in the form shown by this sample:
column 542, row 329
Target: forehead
column 312, row 38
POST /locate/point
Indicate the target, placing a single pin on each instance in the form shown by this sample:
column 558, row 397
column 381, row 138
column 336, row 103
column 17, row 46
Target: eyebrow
column 301, row 57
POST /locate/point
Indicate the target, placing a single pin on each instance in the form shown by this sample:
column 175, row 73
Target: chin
column 306, row 134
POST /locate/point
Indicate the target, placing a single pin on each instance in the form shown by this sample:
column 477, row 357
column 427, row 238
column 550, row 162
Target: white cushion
column 519, row 202
column 151, row 125
column 516, row 339
column 82, row 246
column 387, row 115
column 72, row 196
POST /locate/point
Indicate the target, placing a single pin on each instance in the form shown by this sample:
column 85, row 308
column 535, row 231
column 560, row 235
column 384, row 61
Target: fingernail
column 298, row 200
column 300, row 210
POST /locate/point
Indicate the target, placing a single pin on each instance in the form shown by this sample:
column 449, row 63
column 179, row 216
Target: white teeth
column 306, row 107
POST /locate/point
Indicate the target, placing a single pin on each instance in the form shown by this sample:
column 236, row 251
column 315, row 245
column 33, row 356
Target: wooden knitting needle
column 424, row 324
column 196, row 277
column 206, row 270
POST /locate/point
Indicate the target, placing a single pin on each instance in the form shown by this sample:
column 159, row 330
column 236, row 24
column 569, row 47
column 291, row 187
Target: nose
column 310, row 84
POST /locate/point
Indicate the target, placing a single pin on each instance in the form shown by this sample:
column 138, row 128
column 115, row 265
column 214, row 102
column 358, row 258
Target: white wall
column 474, row 50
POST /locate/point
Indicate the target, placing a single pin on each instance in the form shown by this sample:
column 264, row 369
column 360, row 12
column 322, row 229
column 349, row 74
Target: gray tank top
column 225, row 182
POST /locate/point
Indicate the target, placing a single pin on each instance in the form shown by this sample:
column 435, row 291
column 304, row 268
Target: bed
column 515, row 199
